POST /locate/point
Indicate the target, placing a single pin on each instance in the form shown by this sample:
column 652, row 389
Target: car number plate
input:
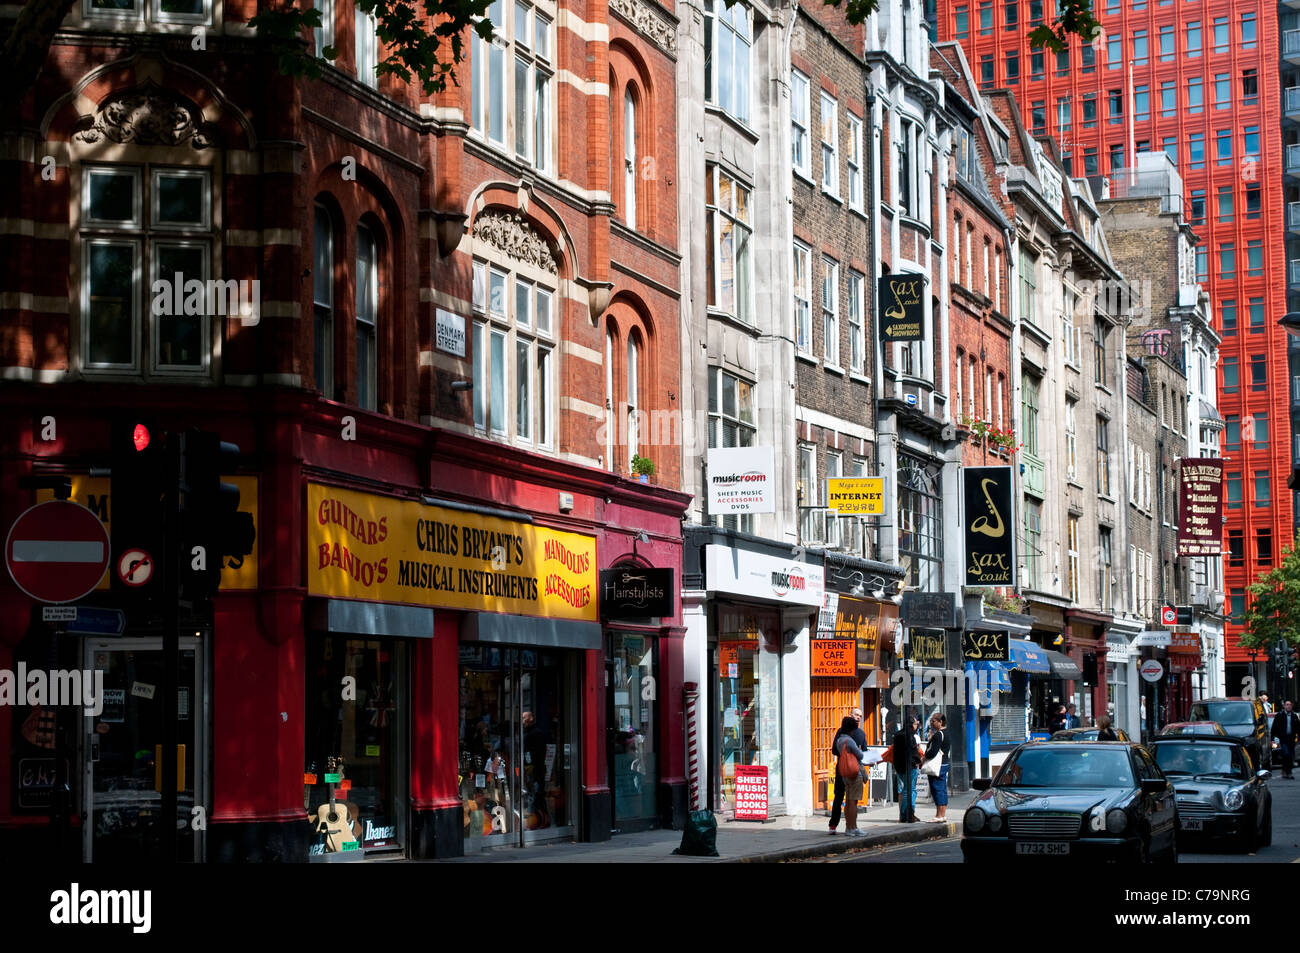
column 1044, row 849
column 1193, row 823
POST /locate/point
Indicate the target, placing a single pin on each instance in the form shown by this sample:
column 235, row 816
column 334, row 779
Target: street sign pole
column 170, row 648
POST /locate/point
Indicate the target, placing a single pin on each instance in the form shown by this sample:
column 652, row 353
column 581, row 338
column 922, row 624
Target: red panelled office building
column 414, row 658
column 1198, row 80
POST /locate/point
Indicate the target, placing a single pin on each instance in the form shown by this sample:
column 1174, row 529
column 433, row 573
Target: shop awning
column 1028, row 657
column 998, row 677
column 1062, row 665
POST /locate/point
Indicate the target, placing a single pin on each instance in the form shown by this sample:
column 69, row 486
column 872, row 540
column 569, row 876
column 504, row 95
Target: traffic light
column 212, row 527
column 135, row 515
column 1280, row 657
column 1292, row 659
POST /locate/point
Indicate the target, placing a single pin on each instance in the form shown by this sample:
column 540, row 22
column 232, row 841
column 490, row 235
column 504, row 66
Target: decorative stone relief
column 147, row 117
column 647, row 20
column 512, row 235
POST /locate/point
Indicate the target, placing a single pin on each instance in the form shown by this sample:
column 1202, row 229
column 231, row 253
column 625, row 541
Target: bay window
column 511, row 80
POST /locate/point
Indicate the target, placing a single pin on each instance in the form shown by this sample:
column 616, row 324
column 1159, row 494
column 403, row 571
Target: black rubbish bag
column 700, row 837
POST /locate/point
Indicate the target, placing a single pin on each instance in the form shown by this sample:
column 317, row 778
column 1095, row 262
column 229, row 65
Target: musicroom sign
column 741, row 480
column 748, row 573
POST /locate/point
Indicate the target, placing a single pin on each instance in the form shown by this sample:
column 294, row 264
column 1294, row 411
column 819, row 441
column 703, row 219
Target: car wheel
column 1250, row 840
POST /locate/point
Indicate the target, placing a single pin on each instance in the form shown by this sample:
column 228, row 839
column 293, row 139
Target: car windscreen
column 1071, row 767
column 1225, row 713
column 1199, row 759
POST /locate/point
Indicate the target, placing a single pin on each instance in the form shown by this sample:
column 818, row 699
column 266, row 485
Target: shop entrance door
column 122, row 752
column 518, row 753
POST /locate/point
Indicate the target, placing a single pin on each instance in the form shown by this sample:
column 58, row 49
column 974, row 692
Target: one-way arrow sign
column 86, row 620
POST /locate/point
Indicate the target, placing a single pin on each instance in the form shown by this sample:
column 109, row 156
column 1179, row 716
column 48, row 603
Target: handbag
column 934, row 767
column 847, row 765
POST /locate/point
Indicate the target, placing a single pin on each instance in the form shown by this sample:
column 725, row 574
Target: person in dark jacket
column 1286, row 728
column 1104, row 730
column 860, row 739
column 855, row 785
column 906, row 761
column 939, row 744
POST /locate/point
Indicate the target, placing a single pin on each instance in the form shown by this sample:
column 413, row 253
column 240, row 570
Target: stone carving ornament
column 146, row 118
column 647, row 21
column 512, row 235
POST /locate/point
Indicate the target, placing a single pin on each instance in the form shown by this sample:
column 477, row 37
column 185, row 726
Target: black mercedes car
column 1243, row 718
column 1075, row 800
column 1220, row 794
column 1086, row 734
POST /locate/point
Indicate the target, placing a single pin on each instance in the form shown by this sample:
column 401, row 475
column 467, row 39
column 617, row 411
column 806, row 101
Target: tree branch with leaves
column 1274, row 610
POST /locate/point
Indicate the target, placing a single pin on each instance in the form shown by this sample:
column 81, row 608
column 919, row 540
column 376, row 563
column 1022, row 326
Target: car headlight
column 974, row 820
column 1234, row 799
column 995, row 823
column 1116, row 821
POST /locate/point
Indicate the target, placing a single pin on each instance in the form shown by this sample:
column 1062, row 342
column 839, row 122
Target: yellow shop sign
column 93, row 493
column 363, row 546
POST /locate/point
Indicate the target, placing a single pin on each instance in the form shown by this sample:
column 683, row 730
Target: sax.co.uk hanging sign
column 900, row 307
column 988, row 521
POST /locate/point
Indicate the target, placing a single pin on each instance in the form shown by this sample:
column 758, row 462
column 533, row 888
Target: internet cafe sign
column 900, row 306
column 856, row 496
column 1200, row 507
column 367, row 546
column 741, row 480
column 989, row 526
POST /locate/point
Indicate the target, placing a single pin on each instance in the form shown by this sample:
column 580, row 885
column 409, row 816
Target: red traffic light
column 140, row 437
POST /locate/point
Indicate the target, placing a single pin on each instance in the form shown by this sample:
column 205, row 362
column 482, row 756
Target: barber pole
column 691, row 691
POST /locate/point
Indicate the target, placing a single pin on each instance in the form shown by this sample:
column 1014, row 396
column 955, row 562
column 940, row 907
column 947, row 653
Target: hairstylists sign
column 900, row 306
column 989, row 526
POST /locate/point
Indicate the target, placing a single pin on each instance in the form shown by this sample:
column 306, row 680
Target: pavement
column 782, row 839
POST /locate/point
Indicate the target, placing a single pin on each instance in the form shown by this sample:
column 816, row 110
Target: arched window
column 323, row 301
column 633, row 393
column 629, row 158
column 367, row 317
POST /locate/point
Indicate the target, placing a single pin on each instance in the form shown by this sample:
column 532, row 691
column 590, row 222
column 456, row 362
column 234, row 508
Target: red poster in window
column 751, row 792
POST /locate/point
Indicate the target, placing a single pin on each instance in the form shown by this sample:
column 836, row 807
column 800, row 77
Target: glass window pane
column 111, row 270
column 543, row 396
column 480, row 387
column 521, row 22
column 523, row 392
column 112, row 196
column 497, row 301
column 543, row 311
column 184, row 7
column 521, row 107
column 180, row 200
column 497, row 401
column 523, row 302
column 496, row 93
column 178, row 338
column 542, row 38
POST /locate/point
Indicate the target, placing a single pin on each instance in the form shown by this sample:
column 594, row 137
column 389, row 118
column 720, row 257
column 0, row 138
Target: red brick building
column 516, row 232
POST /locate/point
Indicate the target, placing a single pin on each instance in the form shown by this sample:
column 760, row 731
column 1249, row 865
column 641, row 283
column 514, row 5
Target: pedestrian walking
column 848, row 756
column 1058, row 721
column 1071, row 719
column 939, row 747
column 1286, row 729
column 907, row 758
column 860, row 739
column 1268, row 705
column 1104, row 730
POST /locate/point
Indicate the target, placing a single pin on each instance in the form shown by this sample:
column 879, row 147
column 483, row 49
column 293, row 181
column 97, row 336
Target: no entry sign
column 57, row 551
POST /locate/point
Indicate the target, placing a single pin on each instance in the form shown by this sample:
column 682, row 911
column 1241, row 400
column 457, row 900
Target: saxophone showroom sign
column 989, row 525
column 366, row 546
column 900, row 304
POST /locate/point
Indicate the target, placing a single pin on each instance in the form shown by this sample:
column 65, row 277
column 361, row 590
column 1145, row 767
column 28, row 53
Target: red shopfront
column 464, row 611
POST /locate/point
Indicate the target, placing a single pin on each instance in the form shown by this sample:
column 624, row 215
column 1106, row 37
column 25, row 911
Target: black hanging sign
column 986, row 646
column 989, row 526
column 634, row 592
column 900, row 307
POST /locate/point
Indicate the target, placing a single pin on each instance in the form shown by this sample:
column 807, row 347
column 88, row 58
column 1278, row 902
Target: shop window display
column 514, row 711
column 749, row 674
column 355, row 780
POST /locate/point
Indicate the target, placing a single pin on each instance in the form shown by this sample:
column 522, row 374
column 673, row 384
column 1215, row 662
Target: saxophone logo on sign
column 988, row 521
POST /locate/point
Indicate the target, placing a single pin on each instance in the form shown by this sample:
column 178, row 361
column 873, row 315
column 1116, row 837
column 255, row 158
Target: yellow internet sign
column 856, row 496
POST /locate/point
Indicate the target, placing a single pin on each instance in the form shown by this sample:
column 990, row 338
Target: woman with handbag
column 849, row 758
column 936, row 765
